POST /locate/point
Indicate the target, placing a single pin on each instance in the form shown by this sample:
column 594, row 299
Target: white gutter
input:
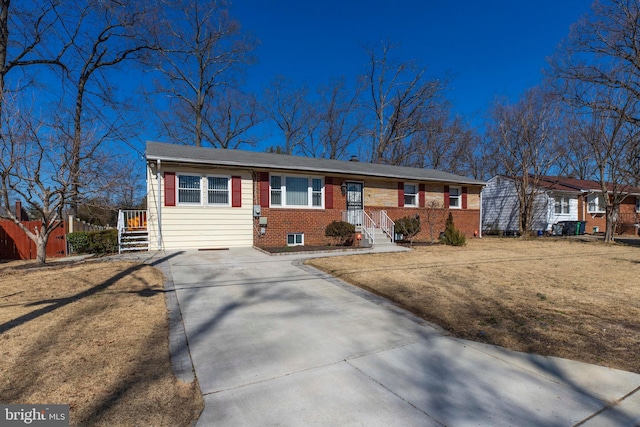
column 159, row 204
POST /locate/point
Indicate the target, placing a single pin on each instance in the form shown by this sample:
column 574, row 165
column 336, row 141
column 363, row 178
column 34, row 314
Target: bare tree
column 434, row 215
column 598, row 71
column 35, row 169
column 336, row 124
column 612, row 142
column 602, row 50
column 400, row 96
column 102, row 36
column 443, row 142
column 203, row 51
column 232, row 115
column 525, row 138
column 26, row 158
column 289, row 108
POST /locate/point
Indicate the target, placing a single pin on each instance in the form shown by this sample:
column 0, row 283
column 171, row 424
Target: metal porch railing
column 133, row 234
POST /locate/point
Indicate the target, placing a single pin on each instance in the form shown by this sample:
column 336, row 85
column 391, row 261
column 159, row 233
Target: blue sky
column 490, row 48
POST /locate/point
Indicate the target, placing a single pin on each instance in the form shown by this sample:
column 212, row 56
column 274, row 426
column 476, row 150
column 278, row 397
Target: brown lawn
column 94, row 336
column 568, row 298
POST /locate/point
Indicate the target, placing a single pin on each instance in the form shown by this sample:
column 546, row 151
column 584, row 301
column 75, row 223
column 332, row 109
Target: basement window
column 295, row 239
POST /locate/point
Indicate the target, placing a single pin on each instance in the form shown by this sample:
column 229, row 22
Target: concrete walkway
column 276, row 343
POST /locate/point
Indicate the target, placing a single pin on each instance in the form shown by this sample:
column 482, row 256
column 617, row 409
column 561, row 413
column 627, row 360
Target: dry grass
column 572, row 299
column 93, row 336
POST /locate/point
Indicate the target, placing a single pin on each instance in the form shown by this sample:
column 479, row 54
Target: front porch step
column 381, row 239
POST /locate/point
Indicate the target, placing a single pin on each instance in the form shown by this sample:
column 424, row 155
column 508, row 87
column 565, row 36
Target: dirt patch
column 573, row 299
column 94, row 336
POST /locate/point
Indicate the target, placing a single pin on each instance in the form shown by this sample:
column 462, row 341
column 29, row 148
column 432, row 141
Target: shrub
column 408, row 226
column 340, row 231
column 79, row 241
column 94, row 242
column 453, row 236
column 104, row 241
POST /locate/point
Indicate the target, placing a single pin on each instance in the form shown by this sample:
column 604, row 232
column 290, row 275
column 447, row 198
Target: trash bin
column 556, row 229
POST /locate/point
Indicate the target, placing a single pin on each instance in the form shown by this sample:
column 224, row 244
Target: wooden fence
column 15, row 244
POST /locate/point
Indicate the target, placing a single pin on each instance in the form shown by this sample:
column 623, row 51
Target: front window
column 189, row 189
column 595, row 203
column 218, row 190
column 296, row 191
column 638, row 204
column 410, row 195
column 562, row 205
column 276, row 190
column 454, row 197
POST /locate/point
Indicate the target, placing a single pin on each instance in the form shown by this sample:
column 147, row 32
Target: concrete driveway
column 276, row 343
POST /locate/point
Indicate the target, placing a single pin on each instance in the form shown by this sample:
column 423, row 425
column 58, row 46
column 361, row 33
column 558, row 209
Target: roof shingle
column 260, row 160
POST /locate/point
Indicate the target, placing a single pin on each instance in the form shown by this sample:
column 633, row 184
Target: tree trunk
column 610, row 214
column 41, row 248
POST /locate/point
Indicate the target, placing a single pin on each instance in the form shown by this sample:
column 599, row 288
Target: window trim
column 229, row 195
column 415, row 194
column 310, row 192
column 294, row 239
column 558, row 201
column 599, row 209
column 637, row 204
column 457, row 197
column 178, row 202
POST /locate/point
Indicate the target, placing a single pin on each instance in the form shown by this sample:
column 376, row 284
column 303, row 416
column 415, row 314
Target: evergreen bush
column 94, row 242
column 453, row 236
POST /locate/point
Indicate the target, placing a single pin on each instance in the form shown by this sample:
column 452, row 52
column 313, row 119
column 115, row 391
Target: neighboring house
column 558, row 199
column 214, row 198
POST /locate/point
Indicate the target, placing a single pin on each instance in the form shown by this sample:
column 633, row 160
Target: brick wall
column 378, row 195
column 627, row 218
column 465, row 220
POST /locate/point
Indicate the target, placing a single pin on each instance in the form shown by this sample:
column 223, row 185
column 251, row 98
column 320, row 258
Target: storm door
column 355, row 203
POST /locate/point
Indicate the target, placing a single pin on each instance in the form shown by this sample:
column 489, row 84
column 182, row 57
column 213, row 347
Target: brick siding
column 312, row 222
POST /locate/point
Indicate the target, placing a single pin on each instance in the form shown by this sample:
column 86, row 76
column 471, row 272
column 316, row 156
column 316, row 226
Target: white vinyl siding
column 204, row 225
column 293, row 191
column 501, row 211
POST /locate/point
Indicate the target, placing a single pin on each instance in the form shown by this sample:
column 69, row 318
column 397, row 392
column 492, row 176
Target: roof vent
column 353, row 158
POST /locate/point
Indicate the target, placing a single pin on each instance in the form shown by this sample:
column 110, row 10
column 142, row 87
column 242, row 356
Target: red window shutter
column 236, row 192
column 401, row 194
column 421, row 196
column 169, row 189
column 446, row 196
column 328, row 192
column 264, row 189
column 464, row 197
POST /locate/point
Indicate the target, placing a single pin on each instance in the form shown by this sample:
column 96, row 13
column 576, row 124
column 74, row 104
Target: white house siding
column 501, row 212
column 573, row 209
column 200, row 227
column 500, row 209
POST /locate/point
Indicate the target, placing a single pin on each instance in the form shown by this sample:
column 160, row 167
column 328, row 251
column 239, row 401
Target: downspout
column 159, row 204
column 480, row 228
